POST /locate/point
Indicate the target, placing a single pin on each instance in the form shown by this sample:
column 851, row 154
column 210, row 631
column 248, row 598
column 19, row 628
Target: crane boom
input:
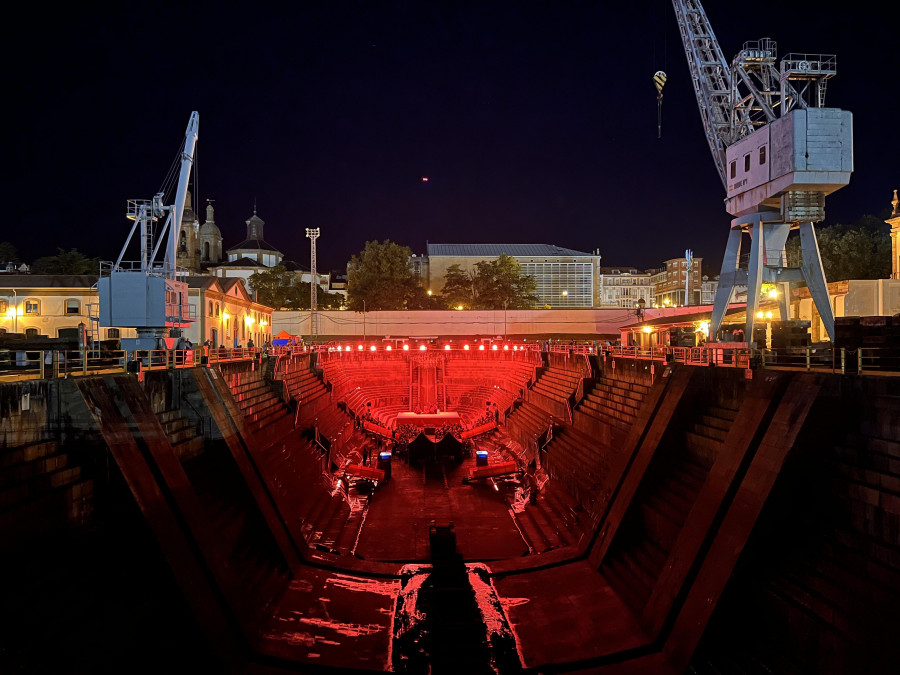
column 710, row 76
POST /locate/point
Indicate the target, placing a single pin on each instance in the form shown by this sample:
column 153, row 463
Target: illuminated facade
column 566, row 279
column 624, row 287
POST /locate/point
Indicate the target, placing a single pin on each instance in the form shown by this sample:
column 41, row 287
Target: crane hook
column 659, row 79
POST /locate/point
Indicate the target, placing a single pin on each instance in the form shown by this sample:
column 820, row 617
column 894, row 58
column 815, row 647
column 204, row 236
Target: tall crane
column 778, row 151
column 148, row 294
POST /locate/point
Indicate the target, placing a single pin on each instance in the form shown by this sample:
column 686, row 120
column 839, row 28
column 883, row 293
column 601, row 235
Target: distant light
column 459, row 307
column 759, row 315
column 422, row 348
column 360, row 347
column 424, row 179
column 481, row 348
column 515, row 348
column 768, row 315
column 466, row 347
column 388, row 348
column 339, row 348
column 446, row 348
column 494, row 347
column 647, row 329
column 506, row 348
column 429, row 291
column 372, row 348
column 773, row 293
column 406, row 348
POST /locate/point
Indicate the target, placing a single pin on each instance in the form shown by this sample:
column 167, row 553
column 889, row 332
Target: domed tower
column 188, row 250
column 210, row 239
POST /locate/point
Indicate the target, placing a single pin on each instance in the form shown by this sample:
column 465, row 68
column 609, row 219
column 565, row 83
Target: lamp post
column 639, row 311
column 565, row 295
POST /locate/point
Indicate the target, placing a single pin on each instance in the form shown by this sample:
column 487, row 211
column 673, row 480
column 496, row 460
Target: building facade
column 226, row 314
column 566, row 279
column 53, row 305
column 676, row 286
column 624, row 287
column 894, row 222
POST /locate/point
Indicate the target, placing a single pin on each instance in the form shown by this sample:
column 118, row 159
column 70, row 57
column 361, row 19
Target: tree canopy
column 493, row 284
column 380, row 278
column 280, row 289
column 8, row 253
column 858, row 251
column 66, row 262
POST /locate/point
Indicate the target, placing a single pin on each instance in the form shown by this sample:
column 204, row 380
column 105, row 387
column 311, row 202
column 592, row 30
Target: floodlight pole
column 312, row 234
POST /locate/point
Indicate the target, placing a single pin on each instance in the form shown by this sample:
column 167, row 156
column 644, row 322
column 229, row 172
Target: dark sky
column 535, row 122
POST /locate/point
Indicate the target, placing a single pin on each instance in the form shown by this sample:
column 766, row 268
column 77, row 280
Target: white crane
column 147, row 294
column 778, row 151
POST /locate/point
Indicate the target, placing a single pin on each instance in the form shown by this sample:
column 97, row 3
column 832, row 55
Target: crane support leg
column 755, row 273
column 726, row 280
column 814, row 276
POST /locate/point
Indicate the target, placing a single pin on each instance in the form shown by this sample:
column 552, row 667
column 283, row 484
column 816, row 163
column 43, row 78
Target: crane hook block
column 659, row 79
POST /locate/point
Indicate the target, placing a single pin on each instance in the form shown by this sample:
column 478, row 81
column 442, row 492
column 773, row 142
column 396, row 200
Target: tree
column 280, row 289
column 493, row 284
column 66, row 262
column 275, row 288
column 8, row 253
column 380, row 278
column 860, row 251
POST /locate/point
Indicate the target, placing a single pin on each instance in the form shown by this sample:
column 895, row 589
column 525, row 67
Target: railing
column 25, row 364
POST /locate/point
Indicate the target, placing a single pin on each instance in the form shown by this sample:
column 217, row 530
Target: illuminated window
column 746, row 162
column 73, row 306
column 33, row 307
column 4, row 306
column 762, row 155
column 733, row 169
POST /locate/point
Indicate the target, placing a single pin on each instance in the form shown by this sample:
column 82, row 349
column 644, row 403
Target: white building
column 624, row 287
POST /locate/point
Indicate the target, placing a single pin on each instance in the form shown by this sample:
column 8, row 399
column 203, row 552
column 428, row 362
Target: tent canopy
column 284, row 335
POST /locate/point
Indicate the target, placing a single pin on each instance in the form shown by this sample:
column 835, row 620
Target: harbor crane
column 148, row 294
column 778, row 151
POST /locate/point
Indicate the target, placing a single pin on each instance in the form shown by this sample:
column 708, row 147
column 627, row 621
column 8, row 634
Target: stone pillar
column 894, row 222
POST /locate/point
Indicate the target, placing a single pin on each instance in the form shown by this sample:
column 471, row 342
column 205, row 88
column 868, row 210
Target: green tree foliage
column 493, row 284
column 8, row 253
column 380, row 278
column 858, row 251
column 66, row 262
column 280, row 289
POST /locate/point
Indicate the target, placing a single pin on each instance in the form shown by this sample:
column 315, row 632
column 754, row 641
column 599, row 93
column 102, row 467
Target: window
column 746, row 162
column 762, row 155
column 112, row 333
column 217, row 309
column 33, row 307
column 206, row 251
column 4, row 306
column 210, row 308
column 733, row 169
column 73, row 306
column 31, row 332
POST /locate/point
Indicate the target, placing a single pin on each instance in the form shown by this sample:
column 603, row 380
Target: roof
column 202, row 282
column 240, row 262
column 495, row 250
column 622, row 270
column 47, row 280
column 254, row 245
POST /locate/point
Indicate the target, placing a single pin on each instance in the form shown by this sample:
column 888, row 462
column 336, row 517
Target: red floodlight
column 388, row 348
column 481, row 348
column 422, row 348
column 406, row 348
column 506, row 348
column 372, row 348
column 494, row 347
column 466, row 347
column 359, row 347
column 446, row 348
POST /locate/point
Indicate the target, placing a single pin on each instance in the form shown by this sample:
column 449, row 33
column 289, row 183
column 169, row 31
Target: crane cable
column 659, row 78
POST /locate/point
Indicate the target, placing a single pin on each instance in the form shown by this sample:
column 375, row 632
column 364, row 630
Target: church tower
column 188, row 255
column 210, row 239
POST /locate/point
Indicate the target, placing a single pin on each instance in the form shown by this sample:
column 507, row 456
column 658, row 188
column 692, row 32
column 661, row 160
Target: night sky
column 534, row 122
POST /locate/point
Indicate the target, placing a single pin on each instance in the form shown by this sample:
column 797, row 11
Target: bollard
column 843, row 360
column 807, row 359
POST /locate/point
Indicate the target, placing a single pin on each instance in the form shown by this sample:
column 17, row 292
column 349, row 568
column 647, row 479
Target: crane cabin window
column 733, row 169
column 762, row 155
column 746, row 162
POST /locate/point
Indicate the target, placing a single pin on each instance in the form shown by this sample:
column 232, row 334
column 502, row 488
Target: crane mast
column 147, row 294
column 778, row 152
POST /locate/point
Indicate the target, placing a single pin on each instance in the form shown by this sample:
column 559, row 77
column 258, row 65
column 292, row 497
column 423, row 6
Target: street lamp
column 565, row 295
column 641, row 303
